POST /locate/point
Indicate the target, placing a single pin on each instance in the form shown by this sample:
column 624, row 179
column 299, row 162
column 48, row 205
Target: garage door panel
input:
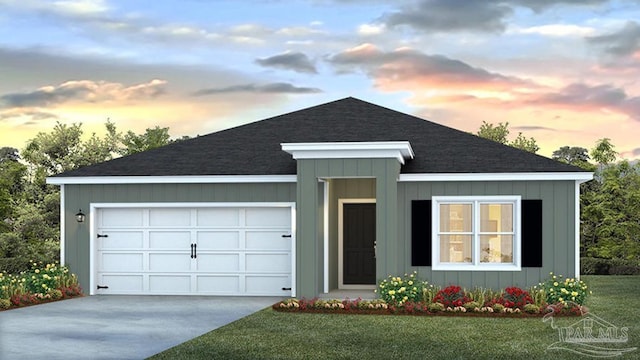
column 218, row 240
column 218, row 262
column 268, row 217
column 170, row 284
column 267, row 240
column 121, row 217
column 261, row 285
column 268, row 263
column 122, row 284
column 169, row 217
column 218, row 217
column 121, row 262
column 238, row 250
column 170, row 262
column 169, row 240
column 121, row 240
column 218, row 284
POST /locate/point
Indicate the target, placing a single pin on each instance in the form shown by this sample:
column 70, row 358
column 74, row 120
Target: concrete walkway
column 116, row 327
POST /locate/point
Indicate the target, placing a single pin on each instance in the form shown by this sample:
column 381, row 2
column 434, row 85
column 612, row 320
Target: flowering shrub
column 40, row 284
column 451, row 296
column 398, row 290
column 514, row 297
column 559, row 290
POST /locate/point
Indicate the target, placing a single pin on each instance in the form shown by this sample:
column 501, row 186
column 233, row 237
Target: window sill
column 471, row 267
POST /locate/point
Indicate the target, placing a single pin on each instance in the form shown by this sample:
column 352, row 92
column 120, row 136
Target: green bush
column 435, row 307
column 531, row 309
column 564, row 290
column 471, row 305
column 400, row 290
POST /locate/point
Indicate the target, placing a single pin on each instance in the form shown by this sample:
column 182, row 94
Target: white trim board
column 341, row 203
column 221, row 179
column 535, row 176
column 182, row 179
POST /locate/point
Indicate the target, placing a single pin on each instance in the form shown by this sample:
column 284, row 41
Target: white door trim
column 341, row 203
column 93, row 229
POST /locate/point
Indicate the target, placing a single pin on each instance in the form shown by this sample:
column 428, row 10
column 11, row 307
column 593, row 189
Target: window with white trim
column 476, row 233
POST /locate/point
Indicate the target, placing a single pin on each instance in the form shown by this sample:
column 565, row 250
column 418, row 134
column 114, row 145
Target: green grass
column 273, row 335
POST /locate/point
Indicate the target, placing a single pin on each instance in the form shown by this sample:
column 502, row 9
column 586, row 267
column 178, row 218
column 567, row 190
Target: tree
column 525, row 144
column 496, row 133
column 603, row 153
column 151, row 139
column 12, row 174
column 500, row 132
column 611, row 213
column 573, row 155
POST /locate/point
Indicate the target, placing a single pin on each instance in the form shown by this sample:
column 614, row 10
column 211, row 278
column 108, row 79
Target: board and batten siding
column 558, row 234
column 309, row 242
column 77, row 245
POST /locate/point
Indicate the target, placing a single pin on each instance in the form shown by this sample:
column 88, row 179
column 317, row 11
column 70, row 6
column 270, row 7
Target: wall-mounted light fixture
column 80, row 216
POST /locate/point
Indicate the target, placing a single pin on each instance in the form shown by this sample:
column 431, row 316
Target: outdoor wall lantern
column 80, row 216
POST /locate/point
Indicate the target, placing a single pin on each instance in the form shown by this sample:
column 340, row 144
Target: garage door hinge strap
column 102, row 287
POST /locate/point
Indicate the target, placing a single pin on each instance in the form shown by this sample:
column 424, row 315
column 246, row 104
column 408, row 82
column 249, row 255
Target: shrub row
column 599, row 266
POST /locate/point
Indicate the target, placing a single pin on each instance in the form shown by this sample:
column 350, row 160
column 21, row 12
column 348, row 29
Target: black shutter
column 421, row 233
column 531, row 233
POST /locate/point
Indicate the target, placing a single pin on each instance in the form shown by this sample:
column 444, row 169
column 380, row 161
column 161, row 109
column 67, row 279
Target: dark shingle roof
column 254, row 149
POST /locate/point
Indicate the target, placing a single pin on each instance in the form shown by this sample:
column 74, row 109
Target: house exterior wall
column 343, row 189
column 77, row 254
column 309, row 243
column 558, row 243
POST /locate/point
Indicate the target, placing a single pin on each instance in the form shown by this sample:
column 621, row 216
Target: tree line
column 30, row 208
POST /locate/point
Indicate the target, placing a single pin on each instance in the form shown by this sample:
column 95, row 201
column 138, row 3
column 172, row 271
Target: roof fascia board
column 183, row 179
column 400, row 150
column 529, row 176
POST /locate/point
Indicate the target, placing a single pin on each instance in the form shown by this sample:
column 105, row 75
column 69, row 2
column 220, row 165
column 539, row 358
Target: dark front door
column 358, row 241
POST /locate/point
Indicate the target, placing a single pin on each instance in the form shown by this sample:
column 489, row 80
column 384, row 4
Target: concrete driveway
column 116, row 327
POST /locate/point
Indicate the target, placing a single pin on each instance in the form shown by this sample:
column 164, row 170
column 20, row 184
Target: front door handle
column 195, row 251
column 192, row 251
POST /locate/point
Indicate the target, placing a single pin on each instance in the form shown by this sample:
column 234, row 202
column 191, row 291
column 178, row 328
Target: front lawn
column 274, row 335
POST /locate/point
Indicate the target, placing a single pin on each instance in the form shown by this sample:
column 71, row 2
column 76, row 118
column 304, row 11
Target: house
column 335, row 196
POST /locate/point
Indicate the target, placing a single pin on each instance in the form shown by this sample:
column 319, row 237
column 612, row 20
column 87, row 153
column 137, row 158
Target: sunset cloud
column 294, row 61
column 82, row 91
column 273, row 88
column 625, row 41
column 405, row 67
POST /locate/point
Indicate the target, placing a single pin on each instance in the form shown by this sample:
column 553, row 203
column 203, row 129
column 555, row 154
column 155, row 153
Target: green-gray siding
column 558, row 243
column 80, row 196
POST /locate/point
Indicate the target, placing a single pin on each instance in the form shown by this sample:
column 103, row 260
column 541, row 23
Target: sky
column 564, row 72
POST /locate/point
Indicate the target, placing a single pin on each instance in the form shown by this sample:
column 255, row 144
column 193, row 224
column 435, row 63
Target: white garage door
column 203, row 251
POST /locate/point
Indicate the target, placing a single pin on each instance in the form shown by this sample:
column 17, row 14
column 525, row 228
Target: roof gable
column 254, row 148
